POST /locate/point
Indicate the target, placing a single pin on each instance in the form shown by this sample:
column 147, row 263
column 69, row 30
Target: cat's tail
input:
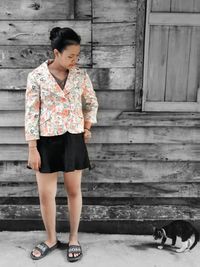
column 197, row 237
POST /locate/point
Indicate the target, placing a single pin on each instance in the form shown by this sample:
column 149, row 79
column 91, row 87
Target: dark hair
column 62, row 37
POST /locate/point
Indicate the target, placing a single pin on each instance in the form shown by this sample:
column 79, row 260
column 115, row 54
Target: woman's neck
column 57, row 68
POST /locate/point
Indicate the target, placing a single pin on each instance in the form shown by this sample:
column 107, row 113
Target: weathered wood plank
column 120, row 190
column 113, row 56
column 170, row 118
column 33, row 55
column 108, row 78
column 150, row 201
column 46, row 10
column 177, row 64
column 82, row 9
column 146, row 53
column 101, row 78
column 133, row 227
column 31, row 10
column 139, row 53
column 160, row 5
column 15, row 100
column 196, row 6
column 193, row 65
column 114, row 11
column 156, row 76
column 37, row 32
column 113, row 33
column 178, row 19
column 15, row 118
column 104, row 213
column 15, row 135
column 178, row 106
column 109, row 166
column 181, row 6
column 105, row 118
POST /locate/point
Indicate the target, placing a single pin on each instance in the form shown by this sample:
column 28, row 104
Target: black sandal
column 44, row 249
column 74, row 249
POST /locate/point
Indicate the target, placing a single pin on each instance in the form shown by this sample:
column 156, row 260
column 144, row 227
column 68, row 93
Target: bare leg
column 189, row 244
column 162, row 243
column 72, row 181
column 174, row 241
column 184, row 247
column 47, row 187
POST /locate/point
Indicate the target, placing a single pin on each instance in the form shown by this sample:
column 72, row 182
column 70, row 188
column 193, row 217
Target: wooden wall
column 109, row 43
column 146, row 167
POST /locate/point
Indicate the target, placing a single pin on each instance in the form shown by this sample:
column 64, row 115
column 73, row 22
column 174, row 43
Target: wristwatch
column 87, row 129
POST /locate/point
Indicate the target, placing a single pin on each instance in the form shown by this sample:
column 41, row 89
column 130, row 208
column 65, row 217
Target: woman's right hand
column 34, row 160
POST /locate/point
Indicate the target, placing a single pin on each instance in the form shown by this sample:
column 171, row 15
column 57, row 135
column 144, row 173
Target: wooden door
column 172, row 56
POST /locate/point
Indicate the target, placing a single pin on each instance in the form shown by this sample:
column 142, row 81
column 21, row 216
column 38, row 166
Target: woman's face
column 69, row 56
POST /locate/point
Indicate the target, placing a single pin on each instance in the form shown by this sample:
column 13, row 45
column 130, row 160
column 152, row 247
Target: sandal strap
column 74, row 248
column 42, row 247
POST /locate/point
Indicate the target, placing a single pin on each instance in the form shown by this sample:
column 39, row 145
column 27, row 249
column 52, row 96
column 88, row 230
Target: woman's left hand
column 87, row 135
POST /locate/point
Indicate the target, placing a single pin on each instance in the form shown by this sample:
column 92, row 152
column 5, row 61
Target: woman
column 57, row 129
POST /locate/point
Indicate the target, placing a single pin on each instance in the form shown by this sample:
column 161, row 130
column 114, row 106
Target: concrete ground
column 105, row 250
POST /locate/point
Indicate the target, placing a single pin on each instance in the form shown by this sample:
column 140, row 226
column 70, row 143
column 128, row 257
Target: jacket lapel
column 55, row 88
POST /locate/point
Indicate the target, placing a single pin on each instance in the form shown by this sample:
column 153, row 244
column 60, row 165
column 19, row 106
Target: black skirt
column 66, row 152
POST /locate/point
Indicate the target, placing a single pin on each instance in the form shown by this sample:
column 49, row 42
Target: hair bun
column 54, row 33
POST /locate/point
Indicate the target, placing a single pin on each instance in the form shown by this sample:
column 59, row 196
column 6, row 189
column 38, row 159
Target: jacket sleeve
column 90, row 100
column 32, row 109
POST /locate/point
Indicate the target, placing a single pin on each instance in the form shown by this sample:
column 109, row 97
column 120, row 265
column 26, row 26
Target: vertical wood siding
column 172, row 55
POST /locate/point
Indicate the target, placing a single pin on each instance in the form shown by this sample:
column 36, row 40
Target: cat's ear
column 154, row 228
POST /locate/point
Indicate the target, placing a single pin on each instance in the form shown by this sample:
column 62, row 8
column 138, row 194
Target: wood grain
column 118, row 33
column 113, row 56
column 37, row 32
column 37, row 10
column 139, row 53
column 32, row 56
column 115, row 117
column 15, row 100
column 102, row 78
column 114, row 11
column 105, row 213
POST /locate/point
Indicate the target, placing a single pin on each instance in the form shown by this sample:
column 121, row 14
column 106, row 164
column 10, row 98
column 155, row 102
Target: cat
column 180, row 228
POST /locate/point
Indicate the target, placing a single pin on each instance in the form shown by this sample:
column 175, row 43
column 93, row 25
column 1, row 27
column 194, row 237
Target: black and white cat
column 180, row 228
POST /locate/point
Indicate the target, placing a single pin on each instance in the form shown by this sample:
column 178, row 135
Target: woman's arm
column 32, row 110
column 90, row 102
column 32, row 143
column 87, row 125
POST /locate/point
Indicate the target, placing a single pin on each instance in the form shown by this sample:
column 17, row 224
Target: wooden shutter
column 172, row 56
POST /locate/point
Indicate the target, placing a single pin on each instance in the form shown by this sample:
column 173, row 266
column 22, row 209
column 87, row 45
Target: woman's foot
column 74, row 249
column 48, row 242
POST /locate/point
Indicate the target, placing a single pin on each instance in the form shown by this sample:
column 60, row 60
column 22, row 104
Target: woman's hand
column 34, row 160
column 87, row 135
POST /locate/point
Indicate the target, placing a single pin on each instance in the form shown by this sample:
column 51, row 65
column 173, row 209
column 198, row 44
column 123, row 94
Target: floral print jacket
column 50, row 111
